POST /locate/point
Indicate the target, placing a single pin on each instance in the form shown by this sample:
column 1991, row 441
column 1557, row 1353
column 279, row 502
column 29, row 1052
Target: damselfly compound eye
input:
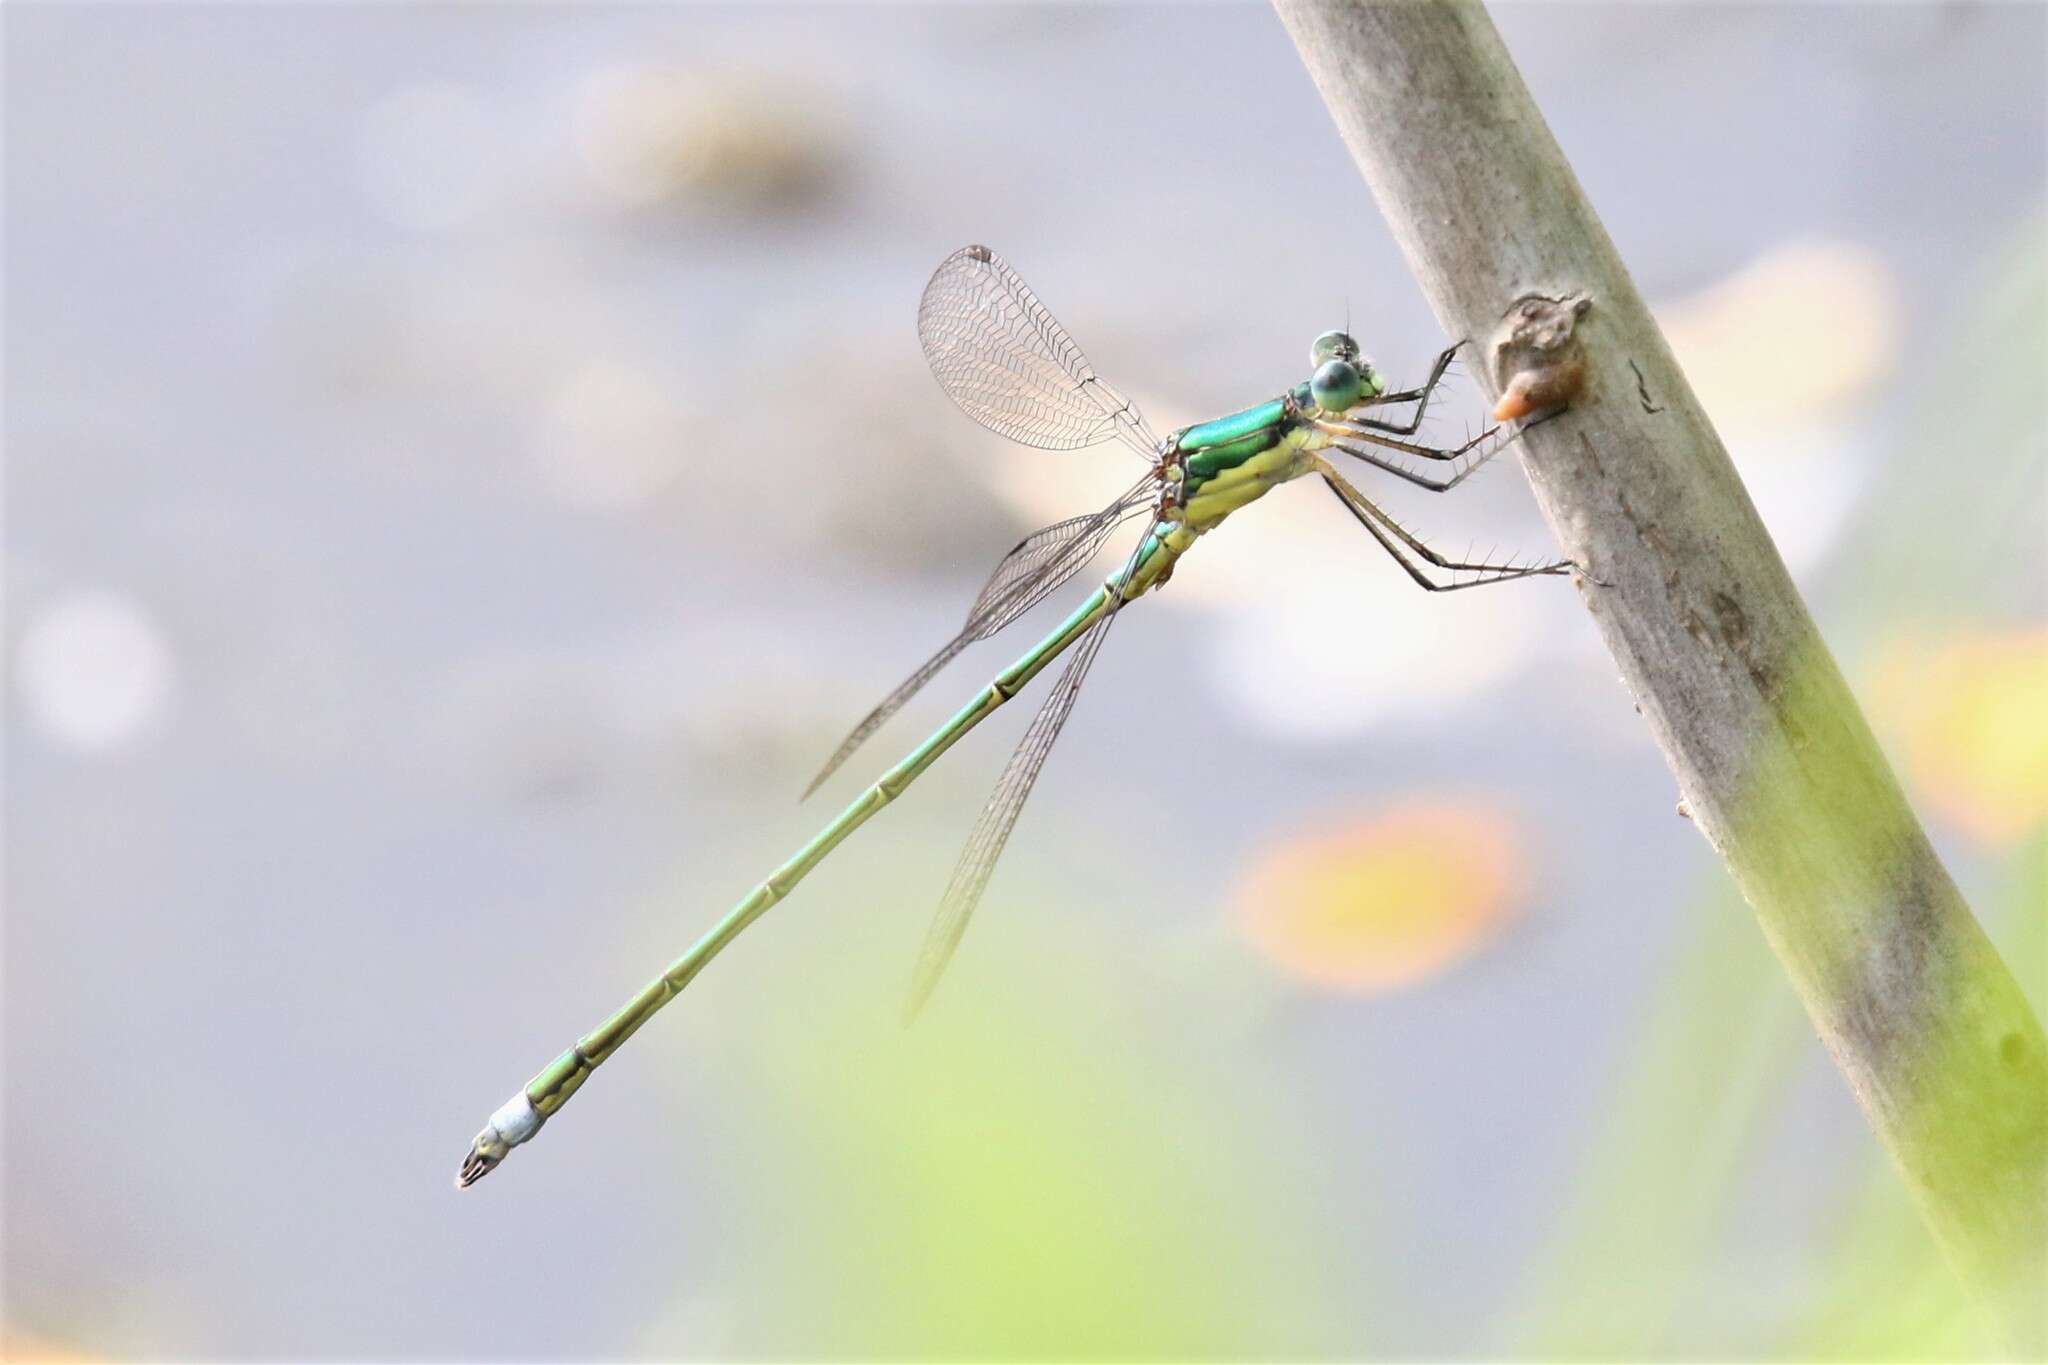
column 1337, row 385
column 1333, row 346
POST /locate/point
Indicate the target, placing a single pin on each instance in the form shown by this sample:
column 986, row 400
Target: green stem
column 1769, row 749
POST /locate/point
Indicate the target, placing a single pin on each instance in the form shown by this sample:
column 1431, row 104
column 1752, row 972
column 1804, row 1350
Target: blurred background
column 466, row 467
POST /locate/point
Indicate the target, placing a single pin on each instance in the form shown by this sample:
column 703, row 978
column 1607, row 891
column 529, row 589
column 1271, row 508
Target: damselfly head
column 1343, row 377
column 1332, row 346
column 1336, row 385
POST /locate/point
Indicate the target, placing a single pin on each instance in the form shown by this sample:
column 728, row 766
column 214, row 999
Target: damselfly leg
column 1419, row 397
column 1401, row 471
column 1395, row 538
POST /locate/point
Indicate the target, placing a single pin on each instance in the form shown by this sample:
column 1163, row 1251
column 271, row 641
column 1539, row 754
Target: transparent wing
column 1046, row 558
column 1007, row 361
column 1033, row 570
column 999, row 816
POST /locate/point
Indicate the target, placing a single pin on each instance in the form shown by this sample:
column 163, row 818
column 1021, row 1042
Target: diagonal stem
column 1769, row 749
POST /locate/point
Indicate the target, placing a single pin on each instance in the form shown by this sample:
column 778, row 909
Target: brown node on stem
column 1537, row 362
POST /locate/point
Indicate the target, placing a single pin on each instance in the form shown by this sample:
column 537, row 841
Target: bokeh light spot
column 615, row 438
column 93, row 670
column 1384, row 901
column 661, row 136
column 1821, row 319
column 1970, row 714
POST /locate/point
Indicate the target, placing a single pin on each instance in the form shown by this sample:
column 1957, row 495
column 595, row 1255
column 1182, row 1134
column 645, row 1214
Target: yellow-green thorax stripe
column 1236, row 459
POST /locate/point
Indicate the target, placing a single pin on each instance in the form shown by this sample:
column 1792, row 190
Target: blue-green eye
column 1333, row 346
column 1336, row 385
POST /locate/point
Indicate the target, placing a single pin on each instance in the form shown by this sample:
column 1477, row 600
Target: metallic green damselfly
column 1004, row 359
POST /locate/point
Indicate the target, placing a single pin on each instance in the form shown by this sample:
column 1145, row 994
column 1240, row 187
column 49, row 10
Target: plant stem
column 1772, row 756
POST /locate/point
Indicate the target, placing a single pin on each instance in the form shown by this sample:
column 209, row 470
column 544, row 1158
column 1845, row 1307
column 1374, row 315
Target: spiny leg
column 1437, row 453
column 1424, row 480
column 1488, row 573
column 1366, row 430
column 1392, row 536
column 1420, row 397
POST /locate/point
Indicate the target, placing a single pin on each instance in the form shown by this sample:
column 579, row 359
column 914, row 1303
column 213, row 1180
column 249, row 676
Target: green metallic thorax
column 1237, row 459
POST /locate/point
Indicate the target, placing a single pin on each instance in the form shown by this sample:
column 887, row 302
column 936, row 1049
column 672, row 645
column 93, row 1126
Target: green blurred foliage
column 1631, row 1271
column 992, row 1184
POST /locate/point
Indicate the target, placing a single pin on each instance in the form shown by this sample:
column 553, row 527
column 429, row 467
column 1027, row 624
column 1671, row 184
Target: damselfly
column 1001, row 355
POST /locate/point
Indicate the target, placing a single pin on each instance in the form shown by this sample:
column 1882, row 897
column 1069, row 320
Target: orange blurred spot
column 22, row 1348
column 1376, row 903
column 1969, row 713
